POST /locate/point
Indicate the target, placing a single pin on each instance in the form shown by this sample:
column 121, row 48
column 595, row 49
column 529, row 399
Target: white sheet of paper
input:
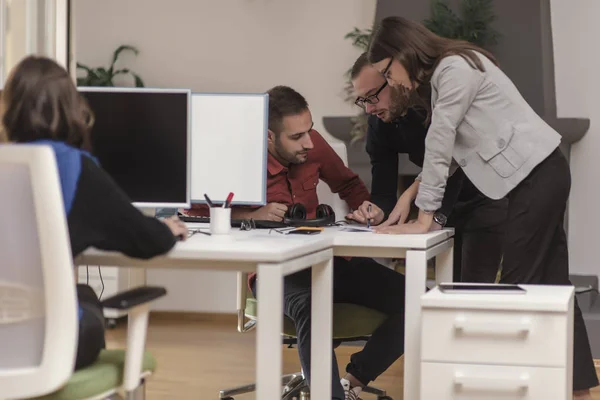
column 356, row 229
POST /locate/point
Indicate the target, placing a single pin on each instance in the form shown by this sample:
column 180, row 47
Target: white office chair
column 38, row 302
column 38, row 312
column 340, row 207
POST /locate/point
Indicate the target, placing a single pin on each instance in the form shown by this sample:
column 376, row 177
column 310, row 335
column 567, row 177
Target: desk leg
column 444, row 263
column 268, row 332
column 321, row 333
column 137, row 277
column 416, row 278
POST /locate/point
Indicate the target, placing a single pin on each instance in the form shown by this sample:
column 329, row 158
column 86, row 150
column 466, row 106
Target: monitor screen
column 141, row 138
column 229, row 147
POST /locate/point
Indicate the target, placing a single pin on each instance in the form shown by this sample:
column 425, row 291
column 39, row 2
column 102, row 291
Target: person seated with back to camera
column 40, row 105
column 298, row 158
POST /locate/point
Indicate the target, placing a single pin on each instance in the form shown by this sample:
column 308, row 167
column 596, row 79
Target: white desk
column 417, row 249
column 273, row 257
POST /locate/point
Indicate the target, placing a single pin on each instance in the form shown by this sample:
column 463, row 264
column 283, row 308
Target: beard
column 402, row 99
column 297, row 157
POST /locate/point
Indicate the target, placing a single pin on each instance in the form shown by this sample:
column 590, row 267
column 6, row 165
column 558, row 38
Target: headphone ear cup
column 297, row 211
column 325, row 212
column 322, row 211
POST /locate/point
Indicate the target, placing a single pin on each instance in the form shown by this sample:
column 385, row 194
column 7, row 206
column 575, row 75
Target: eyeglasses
column 372, row 99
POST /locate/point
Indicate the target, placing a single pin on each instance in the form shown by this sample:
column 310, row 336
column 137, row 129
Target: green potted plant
column 474, row 26
column 101, row 76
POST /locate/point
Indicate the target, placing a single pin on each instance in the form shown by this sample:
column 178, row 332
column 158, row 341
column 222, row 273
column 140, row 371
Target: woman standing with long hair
column 481, row 123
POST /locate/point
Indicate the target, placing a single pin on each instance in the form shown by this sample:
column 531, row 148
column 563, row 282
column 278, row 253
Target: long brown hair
column 418, row 49
column 40, row 101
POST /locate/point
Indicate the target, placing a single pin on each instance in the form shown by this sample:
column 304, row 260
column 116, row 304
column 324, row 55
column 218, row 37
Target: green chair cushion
column 349, row 320
column 100, row 377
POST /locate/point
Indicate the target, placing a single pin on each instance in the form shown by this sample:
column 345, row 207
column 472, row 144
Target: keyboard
column 236, row 223
column 199, row 220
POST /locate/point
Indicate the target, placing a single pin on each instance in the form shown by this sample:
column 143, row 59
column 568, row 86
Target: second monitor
column 229, row 147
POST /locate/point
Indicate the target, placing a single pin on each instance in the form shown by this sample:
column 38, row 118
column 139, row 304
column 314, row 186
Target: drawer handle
column 521, row 326
column 492, row 383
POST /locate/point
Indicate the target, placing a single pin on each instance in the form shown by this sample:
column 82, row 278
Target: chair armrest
column 134, row 297
column 137, row 303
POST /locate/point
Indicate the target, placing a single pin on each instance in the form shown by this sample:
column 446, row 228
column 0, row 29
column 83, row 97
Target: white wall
column 230, row 45
column 577, row 65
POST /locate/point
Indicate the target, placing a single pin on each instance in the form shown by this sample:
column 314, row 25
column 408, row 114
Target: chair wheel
column 227, row 398
column 111, row 323
column 384, row 398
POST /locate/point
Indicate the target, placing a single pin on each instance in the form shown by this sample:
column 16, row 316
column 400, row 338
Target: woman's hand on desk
column 400, row 212
column 408, row 228
column 177, row 227
column 423, row 224
column 434, row 226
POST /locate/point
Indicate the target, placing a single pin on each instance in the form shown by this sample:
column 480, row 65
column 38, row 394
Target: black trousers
column 359, row 281
column 91, row 327
column 535, row 247
column 479, row 226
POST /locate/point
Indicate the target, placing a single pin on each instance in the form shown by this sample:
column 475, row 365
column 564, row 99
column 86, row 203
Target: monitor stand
column 151, row 212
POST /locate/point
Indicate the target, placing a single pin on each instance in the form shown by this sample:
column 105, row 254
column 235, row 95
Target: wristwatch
column 440, row 219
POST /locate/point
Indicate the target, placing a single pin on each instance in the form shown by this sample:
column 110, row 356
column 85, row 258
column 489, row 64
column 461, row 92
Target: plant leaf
column 138, row 81
column 478, row 17
column 119, row 50
column 121, row 71
column 84, row 67
column 443, row 22
column 83, row 81
column 360, row 38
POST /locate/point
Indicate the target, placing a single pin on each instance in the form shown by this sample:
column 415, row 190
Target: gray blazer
column 481, row 123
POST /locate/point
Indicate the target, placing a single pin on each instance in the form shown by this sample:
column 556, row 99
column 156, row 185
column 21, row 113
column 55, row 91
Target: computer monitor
column 141, row 137
column 229, row 147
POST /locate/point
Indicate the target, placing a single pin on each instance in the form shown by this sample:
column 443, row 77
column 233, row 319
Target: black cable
column 87, row 279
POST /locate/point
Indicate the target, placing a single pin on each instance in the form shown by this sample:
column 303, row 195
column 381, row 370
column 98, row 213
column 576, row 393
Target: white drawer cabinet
column 497, row 346
column 492, row 382
column 507, row 337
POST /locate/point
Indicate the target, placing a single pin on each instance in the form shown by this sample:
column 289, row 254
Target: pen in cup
column 228, row 201
column 210, row 203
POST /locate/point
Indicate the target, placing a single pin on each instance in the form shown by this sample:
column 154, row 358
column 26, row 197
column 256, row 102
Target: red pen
column 228, row 201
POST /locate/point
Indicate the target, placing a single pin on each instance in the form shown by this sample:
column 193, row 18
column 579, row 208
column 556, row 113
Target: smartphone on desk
column 305, row 230
column 474, row 288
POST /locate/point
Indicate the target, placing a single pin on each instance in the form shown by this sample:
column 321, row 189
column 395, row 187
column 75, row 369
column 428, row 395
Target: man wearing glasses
column 478, row 221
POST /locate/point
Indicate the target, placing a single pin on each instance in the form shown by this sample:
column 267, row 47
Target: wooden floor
column 200, row 356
